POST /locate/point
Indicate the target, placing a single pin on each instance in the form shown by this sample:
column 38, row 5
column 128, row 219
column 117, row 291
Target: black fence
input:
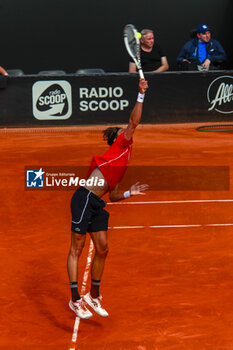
column 173, row 97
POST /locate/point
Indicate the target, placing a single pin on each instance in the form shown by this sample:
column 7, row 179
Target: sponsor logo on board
column 52, row 100
column 220, row 94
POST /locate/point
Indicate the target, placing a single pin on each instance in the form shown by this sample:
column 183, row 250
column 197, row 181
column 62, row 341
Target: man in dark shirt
column 153, row 58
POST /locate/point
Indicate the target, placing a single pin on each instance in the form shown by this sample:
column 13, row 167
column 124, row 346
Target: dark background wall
column 71, row 34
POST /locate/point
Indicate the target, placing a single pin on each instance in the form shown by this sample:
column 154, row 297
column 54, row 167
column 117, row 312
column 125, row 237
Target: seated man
column 153, row 58
column 201, row 52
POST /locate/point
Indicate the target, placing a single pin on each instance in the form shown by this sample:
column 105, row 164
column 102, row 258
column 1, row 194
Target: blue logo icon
column 35, row 178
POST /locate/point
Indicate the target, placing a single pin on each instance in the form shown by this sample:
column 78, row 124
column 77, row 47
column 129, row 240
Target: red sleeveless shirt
column 114, row 162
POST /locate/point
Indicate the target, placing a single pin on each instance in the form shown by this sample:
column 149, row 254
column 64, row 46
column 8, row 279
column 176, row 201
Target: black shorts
column 87, row 211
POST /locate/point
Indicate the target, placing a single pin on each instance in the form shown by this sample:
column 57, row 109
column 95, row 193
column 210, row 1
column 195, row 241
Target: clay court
column 167, row 283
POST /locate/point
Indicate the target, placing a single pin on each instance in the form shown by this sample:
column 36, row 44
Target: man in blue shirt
column 201, row 52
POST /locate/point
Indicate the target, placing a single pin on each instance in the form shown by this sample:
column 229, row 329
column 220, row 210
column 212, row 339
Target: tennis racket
column 132, row 44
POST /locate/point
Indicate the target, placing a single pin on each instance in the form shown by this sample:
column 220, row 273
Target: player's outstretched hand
column 143, row 86
column 137, row 188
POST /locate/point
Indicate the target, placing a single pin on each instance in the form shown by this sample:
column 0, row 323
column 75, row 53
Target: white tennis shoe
column 80, row 309
column 95, row 303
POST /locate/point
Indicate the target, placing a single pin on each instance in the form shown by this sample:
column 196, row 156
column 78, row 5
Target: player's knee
column 76, row 250
column 102, row 250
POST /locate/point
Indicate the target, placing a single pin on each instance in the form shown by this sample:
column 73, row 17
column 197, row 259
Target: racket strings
column 132, row 45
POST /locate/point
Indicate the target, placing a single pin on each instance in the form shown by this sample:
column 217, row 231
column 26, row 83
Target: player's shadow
column 50, row 303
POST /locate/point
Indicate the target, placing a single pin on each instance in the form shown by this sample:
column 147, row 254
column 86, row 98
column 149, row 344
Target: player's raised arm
column 135, row 116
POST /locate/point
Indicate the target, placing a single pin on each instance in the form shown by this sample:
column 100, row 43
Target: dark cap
column 202, row 28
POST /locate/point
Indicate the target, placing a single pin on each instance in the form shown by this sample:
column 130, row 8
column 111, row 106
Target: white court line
column 120, row 227
column 84, row 283
column 175, row 201
column 167, row 226
column 219, row 225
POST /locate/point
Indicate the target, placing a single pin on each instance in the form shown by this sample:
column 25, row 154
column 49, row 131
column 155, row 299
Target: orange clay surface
column 168, row 279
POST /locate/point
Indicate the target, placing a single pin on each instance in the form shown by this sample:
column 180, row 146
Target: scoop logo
column 52, row 100
column 220, row 94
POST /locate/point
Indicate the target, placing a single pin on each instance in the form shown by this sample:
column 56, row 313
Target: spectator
column 3, row 71
column 201, row 52
column 153, row 58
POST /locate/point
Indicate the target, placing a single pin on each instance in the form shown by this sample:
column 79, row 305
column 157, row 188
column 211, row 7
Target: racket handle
column 141, row 75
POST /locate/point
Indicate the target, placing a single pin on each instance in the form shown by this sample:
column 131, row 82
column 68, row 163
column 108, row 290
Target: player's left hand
column 137, row 188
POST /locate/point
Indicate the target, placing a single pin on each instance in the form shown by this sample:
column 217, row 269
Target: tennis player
column 87, row 208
